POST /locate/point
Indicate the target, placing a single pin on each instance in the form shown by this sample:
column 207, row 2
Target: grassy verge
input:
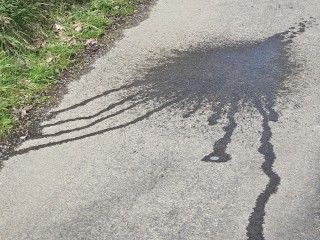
column 38, row 40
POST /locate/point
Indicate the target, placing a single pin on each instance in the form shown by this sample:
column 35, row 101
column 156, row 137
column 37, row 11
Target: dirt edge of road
column 72, row 73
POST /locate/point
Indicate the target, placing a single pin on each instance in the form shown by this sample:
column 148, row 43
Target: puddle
column 223, row 76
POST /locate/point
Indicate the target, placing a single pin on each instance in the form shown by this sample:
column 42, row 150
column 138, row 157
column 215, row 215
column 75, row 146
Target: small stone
column 214, row 158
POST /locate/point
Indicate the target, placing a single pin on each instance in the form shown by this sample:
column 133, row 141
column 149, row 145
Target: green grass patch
column 39, row 39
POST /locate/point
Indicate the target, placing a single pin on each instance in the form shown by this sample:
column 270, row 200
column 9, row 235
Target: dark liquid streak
column 83, row 103
column 220, row 146
column 138, row 119
column 256, row 220
column 110, row 107
column 92, row 123
column 194, row 108
column 217, row 109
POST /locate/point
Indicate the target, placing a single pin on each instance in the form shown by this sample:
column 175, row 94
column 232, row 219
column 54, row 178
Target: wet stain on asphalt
column 222, row 76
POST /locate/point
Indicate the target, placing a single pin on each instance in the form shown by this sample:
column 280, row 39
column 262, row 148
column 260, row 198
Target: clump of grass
column 39, row 39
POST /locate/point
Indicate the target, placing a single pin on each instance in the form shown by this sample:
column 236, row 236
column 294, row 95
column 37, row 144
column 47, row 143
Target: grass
column 39, row 39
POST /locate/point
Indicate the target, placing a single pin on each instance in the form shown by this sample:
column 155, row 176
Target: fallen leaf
column 77, row 26
column 58, row 30
column 49, row 60
column 74, row 41
column 91, row 42
column 78, row 29
column 58, row 27
column 4, row 20
column 23, row 113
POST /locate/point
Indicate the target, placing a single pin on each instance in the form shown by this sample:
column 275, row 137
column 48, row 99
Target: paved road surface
column 203, row 122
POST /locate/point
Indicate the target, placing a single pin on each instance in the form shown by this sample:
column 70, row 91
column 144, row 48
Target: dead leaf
column 78, row 29
column 58, row 27
column 74, row 41
column 69, row 39
column 4, row 21
column 58, row 30
column 49, row 60
column 92, row 45
column 39, row 43
column 77, row 26
column 91, row 42
column 23, row 113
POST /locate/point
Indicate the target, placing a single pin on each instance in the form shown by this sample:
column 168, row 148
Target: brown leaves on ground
column 58, row 27
column 58, row 30
column 23, row 113
column 77, row 26
column 4, row 21
column 49, row 60
column 92, row 44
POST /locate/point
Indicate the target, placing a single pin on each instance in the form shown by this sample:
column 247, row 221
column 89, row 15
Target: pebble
column 214, row 158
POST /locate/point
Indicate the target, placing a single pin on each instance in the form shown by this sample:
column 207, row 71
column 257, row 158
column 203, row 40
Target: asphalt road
column 202, row 122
